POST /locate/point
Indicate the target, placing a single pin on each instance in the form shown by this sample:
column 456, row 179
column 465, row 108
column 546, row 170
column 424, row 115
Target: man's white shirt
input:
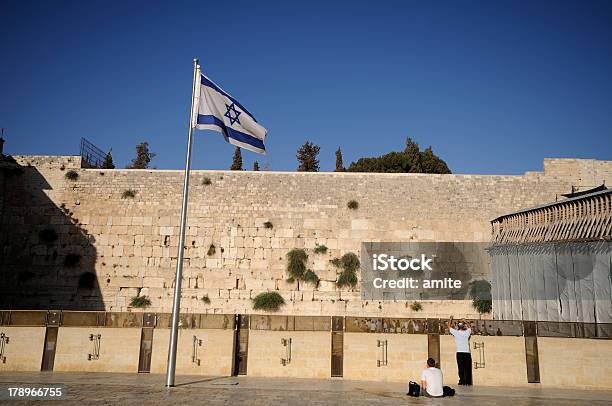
column 433, row 377
column 462, row 339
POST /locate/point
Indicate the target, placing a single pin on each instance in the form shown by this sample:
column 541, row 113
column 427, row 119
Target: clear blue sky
column 493, row 86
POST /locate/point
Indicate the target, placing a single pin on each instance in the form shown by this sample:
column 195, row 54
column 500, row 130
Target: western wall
column 130, row 243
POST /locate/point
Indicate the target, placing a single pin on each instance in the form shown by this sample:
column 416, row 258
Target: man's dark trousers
column 464, row 366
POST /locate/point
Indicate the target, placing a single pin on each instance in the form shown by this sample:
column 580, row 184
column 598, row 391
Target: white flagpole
column 176, row 307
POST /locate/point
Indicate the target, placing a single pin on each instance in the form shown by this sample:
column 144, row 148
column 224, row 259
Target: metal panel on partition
column 602, row 280
column 515, row 284
column 583, row 259
column 551, row 284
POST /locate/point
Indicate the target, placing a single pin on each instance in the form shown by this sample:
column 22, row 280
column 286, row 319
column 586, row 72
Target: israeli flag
column 218, row 111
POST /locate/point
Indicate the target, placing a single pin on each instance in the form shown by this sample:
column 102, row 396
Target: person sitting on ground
column 431, row 380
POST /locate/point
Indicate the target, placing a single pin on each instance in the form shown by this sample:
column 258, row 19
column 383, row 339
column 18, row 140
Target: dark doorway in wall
column 146, row 350
column 531, row 352
column 241, row 345
column 433, row 347
column 49, row 350
column 337, row 347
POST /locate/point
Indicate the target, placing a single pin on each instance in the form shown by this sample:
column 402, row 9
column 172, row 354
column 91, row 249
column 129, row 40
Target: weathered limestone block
column 153, row 282
column 126, row 282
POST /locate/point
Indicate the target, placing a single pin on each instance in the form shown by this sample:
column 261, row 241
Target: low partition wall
column 579, row 363
column 21, row 348
column 504, row 353
column 297, row 354
column 497, row 361
column 384, row 357
column 97, row 349
column 199, row 351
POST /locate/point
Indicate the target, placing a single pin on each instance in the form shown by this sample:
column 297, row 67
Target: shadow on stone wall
column 47, row 261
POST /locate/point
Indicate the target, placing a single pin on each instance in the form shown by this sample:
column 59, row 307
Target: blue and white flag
column 218, row 111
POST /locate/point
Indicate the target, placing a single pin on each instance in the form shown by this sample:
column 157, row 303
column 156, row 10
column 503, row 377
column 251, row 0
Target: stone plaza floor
column 149, row 389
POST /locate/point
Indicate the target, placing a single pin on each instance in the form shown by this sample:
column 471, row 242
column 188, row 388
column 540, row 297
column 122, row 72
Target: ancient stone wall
column 130, row 243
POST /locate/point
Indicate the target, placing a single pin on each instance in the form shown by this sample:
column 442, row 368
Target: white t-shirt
column 433, row 377
column 462, row 339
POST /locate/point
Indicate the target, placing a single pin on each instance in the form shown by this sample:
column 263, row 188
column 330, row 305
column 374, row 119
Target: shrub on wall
column 349, row 264
column 353, row 205
column 206, row 181
column 320, row 249
column 268, row 224
column 140, row 301
column 311, row 277
column 482, row 306
column 206, row 299
column 296, row 267
column 416, row 306
column 269, row 301
column 296, row 263
column 480, row 292
column 128, row 194
column 211, row 250
column 72, row 175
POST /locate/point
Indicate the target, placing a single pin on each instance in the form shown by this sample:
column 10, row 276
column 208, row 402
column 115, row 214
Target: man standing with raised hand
column 462, row 342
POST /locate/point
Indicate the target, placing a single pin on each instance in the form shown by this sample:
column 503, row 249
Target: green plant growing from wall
column 349, row 264
column 353, row 205
column 140, row 302
column 211, row 250
column 72, row 175
column 416, row 306
column 48, row 235
column 268, row 224
column 206, row 299
column 128, row 194
column 296, row 264
column 296, row 267
column 268, row 301
column 311, row 277
column 480, row 292
column 320, row 249
column 482, row 306
column 206, row 181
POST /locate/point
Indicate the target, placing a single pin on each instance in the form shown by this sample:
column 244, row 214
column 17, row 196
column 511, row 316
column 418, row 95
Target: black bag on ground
column 414, row 389
column 448, row 391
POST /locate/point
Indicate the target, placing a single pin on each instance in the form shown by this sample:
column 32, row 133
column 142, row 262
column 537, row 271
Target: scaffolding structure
column 91, row 156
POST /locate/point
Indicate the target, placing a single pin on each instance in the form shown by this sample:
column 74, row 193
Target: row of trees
column 237, row 161
column 410, row 160
column 141, row 161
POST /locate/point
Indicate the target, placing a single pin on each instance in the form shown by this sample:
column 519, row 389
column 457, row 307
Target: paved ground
column 148, row 389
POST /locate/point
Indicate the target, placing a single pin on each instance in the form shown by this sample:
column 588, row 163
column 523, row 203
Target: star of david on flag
column 218, row 111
